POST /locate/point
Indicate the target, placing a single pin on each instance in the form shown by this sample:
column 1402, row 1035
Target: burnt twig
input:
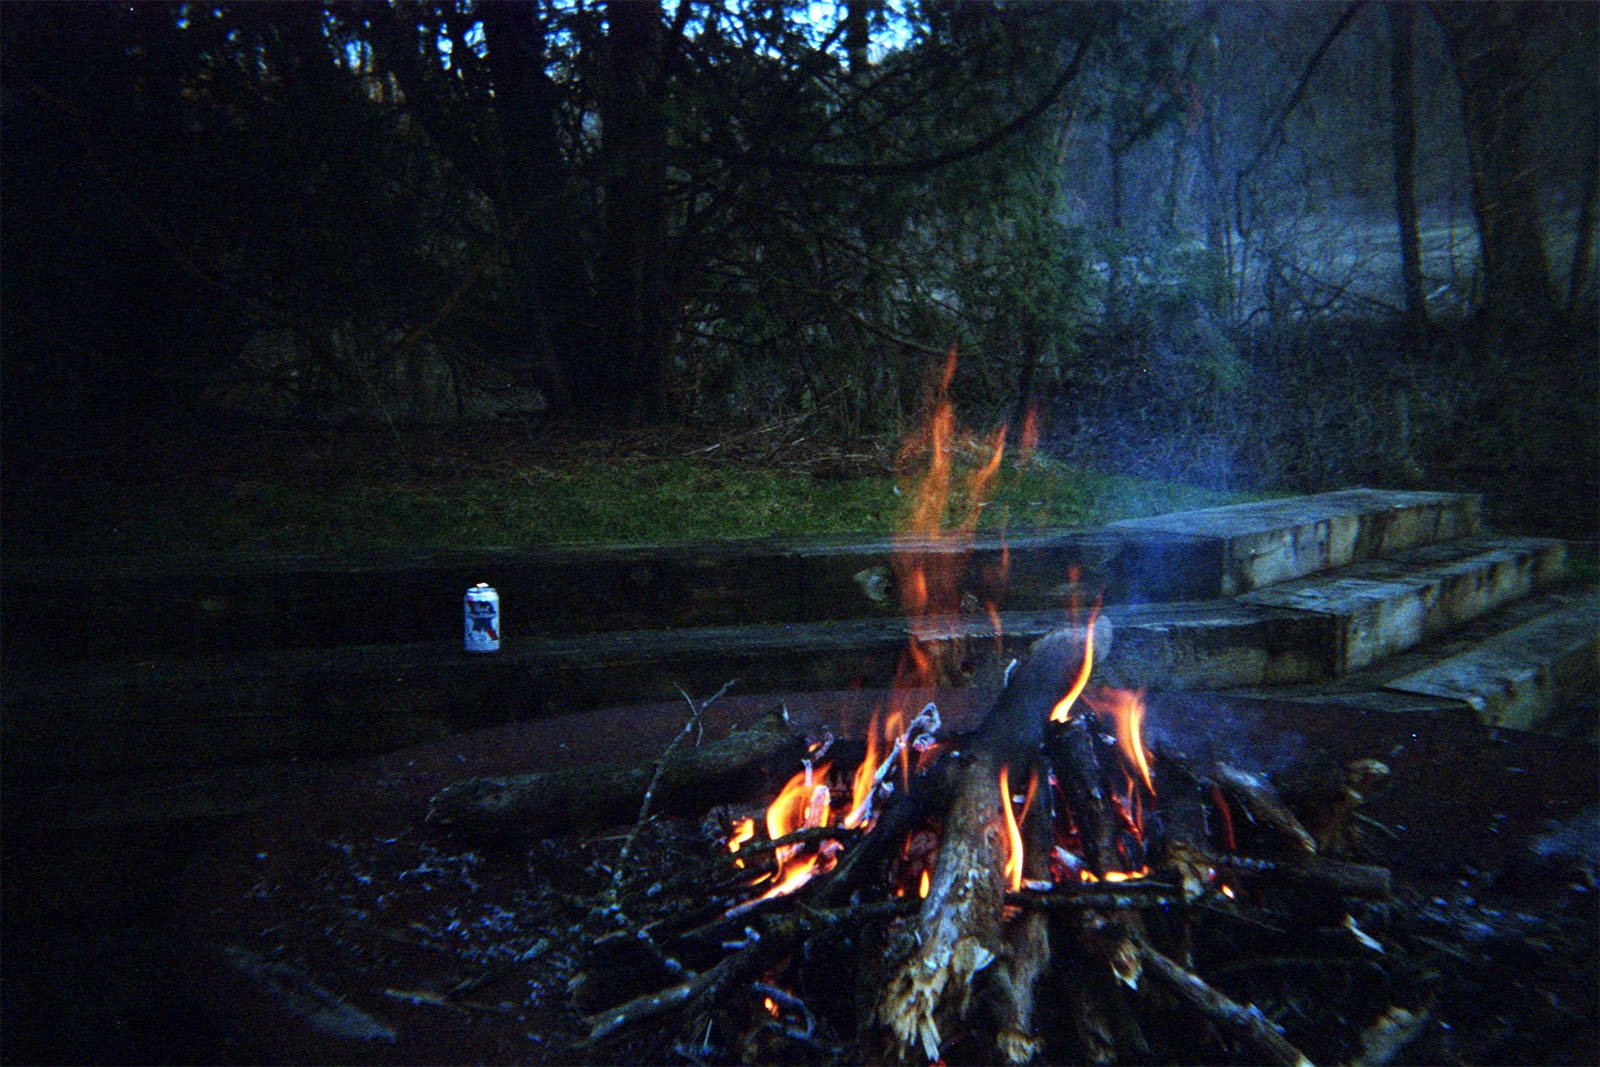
column 1244, row 1020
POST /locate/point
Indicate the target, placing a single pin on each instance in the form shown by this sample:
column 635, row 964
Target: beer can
column 482, row 607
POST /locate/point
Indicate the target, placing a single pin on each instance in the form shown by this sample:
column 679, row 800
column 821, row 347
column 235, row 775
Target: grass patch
column 617, row 501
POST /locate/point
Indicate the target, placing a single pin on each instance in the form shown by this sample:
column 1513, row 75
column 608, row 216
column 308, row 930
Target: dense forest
column 1277, row 245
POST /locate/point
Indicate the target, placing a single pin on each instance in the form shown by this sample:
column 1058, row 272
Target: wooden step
column 1280, row 540
column 64, row 610
column 1526, row 676
column 1217, row 644
column 184, row 712
column 178, row 712
column 232, row 709
column 1384, row 606
column 61, row 611
column 1533, row 664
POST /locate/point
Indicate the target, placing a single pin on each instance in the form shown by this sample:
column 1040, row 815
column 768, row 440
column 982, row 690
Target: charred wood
column 959, row 930
column 586, row 797
column 1317, row 872
column 1244, row 1021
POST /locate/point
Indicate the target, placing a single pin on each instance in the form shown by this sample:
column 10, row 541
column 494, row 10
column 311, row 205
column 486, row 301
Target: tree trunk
column 633, row 258
column 1402, row 93
column 1578, row 280
column 857, row 34
column 544, row 251
column 1032, row 353
column 1484, row 41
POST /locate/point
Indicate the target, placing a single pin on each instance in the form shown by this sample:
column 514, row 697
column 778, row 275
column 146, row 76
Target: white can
column 482, row 610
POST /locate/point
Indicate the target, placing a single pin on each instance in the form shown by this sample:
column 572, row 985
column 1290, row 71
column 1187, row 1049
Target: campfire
column 1041, row 875
column 1036, row 888
column 993, row 860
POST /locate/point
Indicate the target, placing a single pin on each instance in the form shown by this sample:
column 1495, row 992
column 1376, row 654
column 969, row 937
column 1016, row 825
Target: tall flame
column 1013, row 866
column 1125, row 708
column 1063, row 709
column 931, row 554
column 865, row 780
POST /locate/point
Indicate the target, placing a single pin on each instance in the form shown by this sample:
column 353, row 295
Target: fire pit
column 345, row 927
column 1051, row 871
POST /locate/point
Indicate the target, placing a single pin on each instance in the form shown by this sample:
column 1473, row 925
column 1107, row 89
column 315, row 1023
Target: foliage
column 383, row 189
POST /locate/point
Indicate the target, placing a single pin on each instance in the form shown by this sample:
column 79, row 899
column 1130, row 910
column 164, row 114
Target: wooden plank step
column 1384, row 606
column 1280, row 540
column 64, row 610
column 1216, row 644
column 180, row 712
column 173, row 712
column 1525, row 676
column 61, row 611
column 1568, row 682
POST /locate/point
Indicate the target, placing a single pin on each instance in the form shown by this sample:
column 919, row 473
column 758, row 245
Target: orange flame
column 1029, row 440
column 743, row 830
column 931, row 554
column 923, row 884
column 1063, row 709
column 1126, row 709
column 862, row 785
column 928, row 560
column 1013, row 866
column 803, row 803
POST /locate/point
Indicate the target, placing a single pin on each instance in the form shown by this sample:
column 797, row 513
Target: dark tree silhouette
column 1485, row 41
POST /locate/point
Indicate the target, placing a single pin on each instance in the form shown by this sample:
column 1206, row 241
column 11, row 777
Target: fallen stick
column 599, row 795
column 1244, row 1020
column 1335, row 876
column 1153, row 896
column 773, row 935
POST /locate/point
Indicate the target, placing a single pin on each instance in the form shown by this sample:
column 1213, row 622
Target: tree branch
column 988, row 142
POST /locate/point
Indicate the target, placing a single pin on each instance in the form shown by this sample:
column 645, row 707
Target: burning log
column 959, row 929
column 682, row 779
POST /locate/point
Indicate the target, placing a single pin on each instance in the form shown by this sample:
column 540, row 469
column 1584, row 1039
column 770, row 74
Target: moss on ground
column 617, row 500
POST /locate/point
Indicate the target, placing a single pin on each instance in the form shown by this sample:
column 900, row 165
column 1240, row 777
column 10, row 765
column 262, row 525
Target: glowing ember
column 743, row 831
column 1088, row 876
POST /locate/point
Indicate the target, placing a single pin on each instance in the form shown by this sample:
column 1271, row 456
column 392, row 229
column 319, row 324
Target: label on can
column 482, row 607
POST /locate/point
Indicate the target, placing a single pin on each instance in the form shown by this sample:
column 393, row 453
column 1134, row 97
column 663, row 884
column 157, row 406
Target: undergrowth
column 627, row 500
